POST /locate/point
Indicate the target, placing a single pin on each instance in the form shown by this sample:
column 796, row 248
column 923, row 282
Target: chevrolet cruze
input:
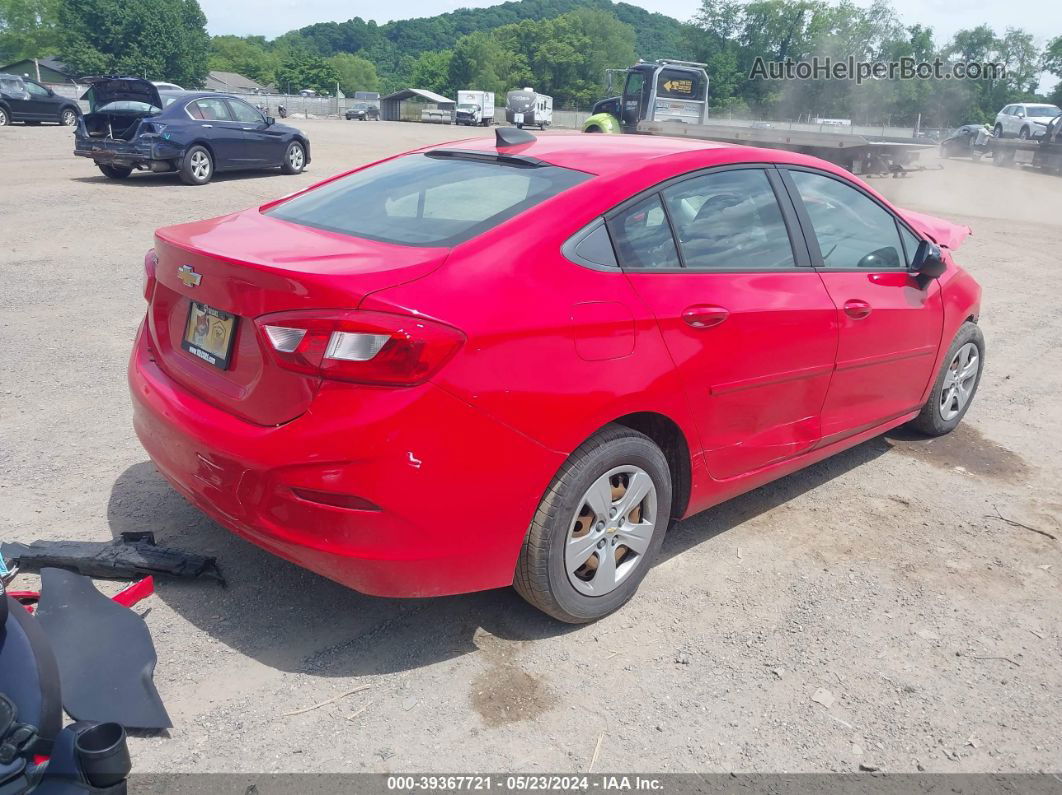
column 515, row 361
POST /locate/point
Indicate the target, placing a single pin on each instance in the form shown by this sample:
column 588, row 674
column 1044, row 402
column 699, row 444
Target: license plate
column 209, row 334
column 518, row 118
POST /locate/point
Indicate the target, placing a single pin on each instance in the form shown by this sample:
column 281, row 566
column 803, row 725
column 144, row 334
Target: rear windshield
column 426, row 200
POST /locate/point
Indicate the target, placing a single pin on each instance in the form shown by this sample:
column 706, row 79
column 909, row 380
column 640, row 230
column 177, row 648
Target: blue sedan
column 135, row 126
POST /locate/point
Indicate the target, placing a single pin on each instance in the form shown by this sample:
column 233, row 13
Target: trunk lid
column 105, row 90
column 249, row 265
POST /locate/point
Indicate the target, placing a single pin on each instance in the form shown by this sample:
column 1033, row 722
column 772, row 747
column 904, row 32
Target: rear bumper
column 130, row 154
column 456, row 489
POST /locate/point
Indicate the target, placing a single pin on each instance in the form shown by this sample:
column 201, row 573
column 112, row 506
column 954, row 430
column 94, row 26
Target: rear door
column 721, row 263
column 890, row 324
column 221, row 130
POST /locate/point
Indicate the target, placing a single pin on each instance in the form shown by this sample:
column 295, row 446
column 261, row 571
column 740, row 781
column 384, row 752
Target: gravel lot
column 872, row 609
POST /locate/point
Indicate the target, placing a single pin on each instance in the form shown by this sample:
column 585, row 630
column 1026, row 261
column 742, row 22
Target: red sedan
column 516, row 361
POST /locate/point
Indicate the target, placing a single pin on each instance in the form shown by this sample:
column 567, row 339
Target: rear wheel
column 956, row 383
column 598, row 527
column 998, row 131
column 68, row 118
column 1023, row 134
column 294, row 158
column 114, row 172
column 5, row 119
column 197, row 167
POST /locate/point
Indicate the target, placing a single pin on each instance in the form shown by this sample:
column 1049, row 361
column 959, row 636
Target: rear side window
column 852, row 230
column 643, row 236
column 729, row 220
column 680, row 84
column 210, row 109
column 426, row 200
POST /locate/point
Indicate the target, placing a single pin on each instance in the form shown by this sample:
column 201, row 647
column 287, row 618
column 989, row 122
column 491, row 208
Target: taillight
column 151, row 261
column 362, row 347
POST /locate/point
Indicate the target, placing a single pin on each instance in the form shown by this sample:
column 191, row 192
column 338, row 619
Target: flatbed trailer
column 1043, row 153
column 860, row 154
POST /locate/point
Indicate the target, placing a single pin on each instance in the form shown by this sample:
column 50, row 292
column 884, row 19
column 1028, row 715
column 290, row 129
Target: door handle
column 701, row 316
column 857, row 309
column 206, row 125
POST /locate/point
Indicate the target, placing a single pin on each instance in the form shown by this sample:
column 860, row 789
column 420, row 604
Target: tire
column 941, row 414
column 1023, row 134
column 197, row 166
column 294, row 158
column 114, row 172
column 5, row 118
column 564, row 517
column 68, row 117
column 998, row 131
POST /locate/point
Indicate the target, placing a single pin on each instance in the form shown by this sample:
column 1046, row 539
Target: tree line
column 560, row 47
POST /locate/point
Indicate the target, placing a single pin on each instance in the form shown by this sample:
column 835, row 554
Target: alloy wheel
column 959, row 381
column 296, row 157
column 3, row 118
column 611, row 530
column 69, row 118
column 200, row 165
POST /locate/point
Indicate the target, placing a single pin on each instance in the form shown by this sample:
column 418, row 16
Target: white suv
column 1024, row 120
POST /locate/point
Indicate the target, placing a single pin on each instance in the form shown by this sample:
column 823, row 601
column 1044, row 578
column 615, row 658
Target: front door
column 890, row 324
column 263, row 147
column 40, row 105
column 747, row 321
column 635, row 99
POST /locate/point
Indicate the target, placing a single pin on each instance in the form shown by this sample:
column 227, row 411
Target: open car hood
column 128, row 89
column 944, row 233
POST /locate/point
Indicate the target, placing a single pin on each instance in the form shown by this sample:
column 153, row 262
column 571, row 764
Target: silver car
column 1024, row 120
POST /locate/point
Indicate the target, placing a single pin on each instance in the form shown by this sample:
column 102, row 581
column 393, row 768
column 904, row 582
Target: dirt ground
column 873, row 609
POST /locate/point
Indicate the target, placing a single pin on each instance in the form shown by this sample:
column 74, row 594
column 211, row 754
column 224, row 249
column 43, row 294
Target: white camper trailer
column 474, row 108
column 527, row 108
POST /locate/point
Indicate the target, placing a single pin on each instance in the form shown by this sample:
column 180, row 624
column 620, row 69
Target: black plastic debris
column 129, row 556
column 105, row 653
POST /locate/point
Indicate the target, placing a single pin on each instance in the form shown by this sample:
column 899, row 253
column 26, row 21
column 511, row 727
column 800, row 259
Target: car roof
column 615, row 154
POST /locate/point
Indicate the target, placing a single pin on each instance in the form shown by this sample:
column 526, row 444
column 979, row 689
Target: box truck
column 474, row 108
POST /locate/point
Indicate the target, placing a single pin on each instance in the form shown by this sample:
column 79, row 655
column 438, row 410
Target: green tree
column 156, row 39
column 431, row 70
column 251, row 56
column 301, row 71
column 28, row 29
column 355, row 73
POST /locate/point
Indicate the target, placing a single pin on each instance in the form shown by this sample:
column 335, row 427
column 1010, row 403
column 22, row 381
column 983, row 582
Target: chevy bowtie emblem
column 188, row 276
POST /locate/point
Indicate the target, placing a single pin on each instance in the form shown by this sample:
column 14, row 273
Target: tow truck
column 670, row 97
column 1044, row 152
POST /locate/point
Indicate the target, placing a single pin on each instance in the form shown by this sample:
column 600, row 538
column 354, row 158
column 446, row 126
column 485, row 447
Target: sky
column 1043, row 18
column 270, row 18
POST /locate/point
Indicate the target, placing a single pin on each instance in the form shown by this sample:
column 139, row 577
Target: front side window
column 643, row 236
column 426, row 199
column 36, row 90
column 729, row 220
column 853, row 231
column 910, row 245
column 245, row 113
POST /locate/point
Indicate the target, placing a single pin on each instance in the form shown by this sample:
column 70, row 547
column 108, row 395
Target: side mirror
column 270, row 121
column 928, row 261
